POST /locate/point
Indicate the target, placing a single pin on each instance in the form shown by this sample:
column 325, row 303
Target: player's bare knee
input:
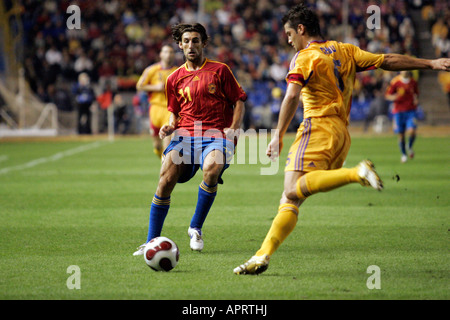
column 211, row 174
column 284, row 199
column 290, row 193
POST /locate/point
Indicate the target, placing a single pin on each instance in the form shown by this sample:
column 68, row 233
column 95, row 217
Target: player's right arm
column 167, row 129
column 144, row 82
column 287, row 111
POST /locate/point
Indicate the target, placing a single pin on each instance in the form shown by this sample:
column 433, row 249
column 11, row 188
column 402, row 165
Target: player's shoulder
column 216, row 65
column 152, row 67
column 396, row 79
column 177, row 71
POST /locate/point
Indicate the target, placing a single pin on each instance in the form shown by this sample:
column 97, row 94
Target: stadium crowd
column 118, row 39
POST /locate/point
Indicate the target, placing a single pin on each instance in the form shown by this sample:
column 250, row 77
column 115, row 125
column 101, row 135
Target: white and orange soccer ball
column 161, row 254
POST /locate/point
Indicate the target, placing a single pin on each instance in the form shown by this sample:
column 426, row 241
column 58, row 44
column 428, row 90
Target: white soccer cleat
column 404, row 158
column 368, row 176
column 196, row 239
column 140, row 250
column 256, row 265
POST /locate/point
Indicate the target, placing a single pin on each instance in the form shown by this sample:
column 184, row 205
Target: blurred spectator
column 444, row 81
column 84, row 97
column 121, row 115
column 83, row 64
column 275, row 105
column 118, row 39
column 378, row 107
column 104, row 101
column 59, row 94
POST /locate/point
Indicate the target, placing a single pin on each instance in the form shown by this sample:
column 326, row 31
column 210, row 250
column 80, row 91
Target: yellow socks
column 158, row 152
column 325, row 180
column 282, row 226
column 309, row 184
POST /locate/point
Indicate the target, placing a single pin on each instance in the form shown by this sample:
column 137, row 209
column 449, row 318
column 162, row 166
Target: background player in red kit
column 207, row 105
column 403, row 90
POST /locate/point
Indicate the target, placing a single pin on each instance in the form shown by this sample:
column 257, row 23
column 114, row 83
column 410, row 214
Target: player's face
column 167, row 54
column 192, row 46
column 294, row 38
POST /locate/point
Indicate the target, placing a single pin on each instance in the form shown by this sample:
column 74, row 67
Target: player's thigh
column 319, row 142
column 399, row 123
column 213, row 164
column 170, row 173
column 411, row 121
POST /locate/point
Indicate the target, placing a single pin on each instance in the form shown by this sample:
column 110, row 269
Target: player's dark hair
column 179, row 29
column 301, row 14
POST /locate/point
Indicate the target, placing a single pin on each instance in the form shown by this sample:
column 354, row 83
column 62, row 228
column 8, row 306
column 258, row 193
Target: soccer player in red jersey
column 207, row 106
column 403, row 90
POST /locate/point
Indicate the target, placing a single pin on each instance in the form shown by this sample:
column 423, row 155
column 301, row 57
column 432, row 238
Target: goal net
column 21, row 112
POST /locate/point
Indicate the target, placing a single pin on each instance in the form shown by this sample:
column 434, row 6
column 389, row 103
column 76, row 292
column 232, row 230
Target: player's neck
column 309, row 40
column 195, row 65
column 165, row 65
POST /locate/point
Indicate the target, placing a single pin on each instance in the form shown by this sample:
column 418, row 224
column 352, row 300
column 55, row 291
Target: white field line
column 55, row 157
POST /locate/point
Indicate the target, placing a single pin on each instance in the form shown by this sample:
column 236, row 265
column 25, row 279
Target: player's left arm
column 398, row 62
column 238, row 116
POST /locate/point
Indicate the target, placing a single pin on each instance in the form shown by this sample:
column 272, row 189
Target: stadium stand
column 118, row 39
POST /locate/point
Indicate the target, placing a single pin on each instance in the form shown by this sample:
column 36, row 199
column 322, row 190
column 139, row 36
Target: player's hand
column 441, row 64
column 232, row 134
column 274, row 148
column 165, row 131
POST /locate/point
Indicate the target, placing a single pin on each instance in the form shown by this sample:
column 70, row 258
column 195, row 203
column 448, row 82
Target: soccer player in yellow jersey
column 152, row 81
column 324, row 72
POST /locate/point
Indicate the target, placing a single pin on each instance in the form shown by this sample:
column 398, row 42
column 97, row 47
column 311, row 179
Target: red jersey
column 405, row 94
column 206, row 95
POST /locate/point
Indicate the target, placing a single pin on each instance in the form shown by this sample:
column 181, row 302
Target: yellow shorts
column 320, row 144
column 158, row 117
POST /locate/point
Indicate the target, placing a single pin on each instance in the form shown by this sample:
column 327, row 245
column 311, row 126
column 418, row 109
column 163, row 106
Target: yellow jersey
column 347, row 59
column 156, row 74
column 314, row 72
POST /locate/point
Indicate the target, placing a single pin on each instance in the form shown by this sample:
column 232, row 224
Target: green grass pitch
column 86, row 203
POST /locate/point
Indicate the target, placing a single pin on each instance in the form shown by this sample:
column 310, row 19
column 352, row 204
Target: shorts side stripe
column 300, row 146
column 303, row 145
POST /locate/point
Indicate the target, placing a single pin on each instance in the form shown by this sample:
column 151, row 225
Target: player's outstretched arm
column 398, row 62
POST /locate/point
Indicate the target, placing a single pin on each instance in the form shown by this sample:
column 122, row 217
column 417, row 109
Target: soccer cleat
column 256, row 265
column 368, row 176
column 411, row 153
column 196, row 239
column 140, row 250
column 404, row 158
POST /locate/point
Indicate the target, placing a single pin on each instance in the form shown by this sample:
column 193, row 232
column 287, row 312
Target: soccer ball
column 161, row 254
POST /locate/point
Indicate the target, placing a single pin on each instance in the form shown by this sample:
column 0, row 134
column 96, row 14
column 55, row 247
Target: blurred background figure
column 84, row 97
column 152, row 81
column 118, row 40
column 404, row 92
column 122, row 117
